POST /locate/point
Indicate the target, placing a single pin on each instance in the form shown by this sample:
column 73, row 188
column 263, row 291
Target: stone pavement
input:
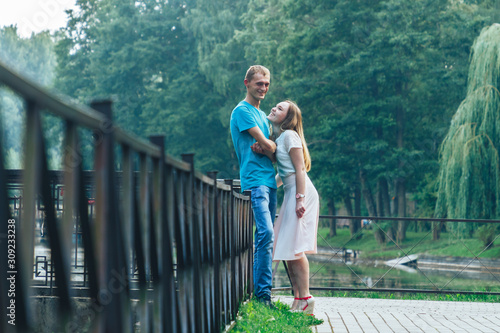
column 355, row 315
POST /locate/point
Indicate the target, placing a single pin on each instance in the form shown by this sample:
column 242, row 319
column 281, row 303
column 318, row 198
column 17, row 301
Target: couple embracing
column 293, row 235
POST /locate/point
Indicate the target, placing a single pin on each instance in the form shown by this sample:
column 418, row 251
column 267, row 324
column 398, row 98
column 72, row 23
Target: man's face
column 258, row 87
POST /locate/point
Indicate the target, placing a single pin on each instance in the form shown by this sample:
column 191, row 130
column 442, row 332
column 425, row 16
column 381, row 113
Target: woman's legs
column 295, row 288
column 299, row 274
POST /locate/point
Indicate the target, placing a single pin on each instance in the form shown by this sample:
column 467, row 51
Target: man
column 248, row 125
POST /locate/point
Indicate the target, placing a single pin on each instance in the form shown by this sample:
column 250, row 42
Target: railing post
column 216, row 246
column 128, row 187
column 234, row 249
column 5, row 221
column 168, row 296
column 226, row 253
column 143, row 228
column 171, row 228
column 195, row 259
column 72, row 161
column 24, row 258
column 248, row 241
column 178, row 180
column 108, row 230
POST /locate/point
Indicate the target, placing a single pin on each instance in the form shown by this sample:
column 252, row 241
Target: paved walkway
column 355, row 315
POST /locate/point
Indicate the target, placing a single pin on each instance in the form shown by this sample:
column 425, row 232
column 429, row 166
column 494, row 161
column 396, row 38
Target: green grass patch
column 254, row 316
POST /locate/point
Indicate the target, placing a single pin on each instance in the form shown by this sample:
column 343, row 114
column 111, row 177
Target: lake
column 376, row 274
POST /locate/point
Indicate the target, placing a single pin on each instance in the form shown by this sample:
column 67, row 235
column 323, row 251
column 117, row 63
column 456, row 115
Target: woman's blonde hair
column 293, row 121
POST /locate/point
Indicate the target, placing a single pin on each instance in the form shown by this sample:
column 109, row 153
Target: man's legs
column 264, row 210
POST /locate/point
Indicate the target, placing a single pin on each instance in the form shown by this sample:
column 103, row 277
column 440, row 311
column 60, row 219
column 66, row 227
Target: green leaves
column 469, row 178
column 34, row 58
column 377, row 81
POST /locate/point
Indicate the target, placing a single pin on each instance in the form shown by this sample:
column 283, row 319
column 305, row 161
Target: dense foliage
column 35, row 58
column 377, row 81
column 469, row 178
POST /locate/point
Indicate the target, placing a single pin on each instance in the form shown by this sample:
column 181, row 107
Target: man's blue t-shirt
column 255, row 169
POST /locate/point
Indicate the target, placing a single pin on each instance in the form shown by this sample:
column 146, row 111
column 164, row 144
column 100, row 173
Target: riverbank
column 424, row 261
column 366, row 247
column 331, row 271
column 445, row 266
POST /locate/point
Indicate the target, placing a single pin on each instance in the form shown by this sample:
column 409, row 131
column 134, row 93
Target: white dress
column 294, row 237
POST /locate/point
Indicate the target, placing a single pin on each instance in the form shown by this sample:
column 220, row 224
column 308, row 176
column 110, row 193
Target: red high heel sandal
column 309, row 308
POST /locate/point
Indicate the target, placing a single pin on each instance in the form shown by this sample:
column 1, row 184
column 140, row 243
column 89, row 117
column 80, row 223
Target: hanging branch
column 469, row 177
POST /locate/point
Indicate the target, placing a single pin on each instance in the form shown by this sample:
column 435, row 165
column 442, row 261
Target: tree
column 376, row 80
column 126, row 49
column 369, row 77
column 469, row 176
column 34, row 58
column 141, row 53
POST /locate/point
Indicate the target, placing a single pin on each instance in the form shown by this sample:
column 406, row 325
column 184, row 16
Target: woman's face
column 278, row 113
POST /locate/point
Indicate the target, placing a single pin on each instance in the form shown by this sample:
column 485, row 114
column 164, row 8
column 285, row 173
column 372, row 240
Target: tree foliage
column 377, row 81
column 142, row 54
column 373, row 79
column 469, row 177
column 35, row 58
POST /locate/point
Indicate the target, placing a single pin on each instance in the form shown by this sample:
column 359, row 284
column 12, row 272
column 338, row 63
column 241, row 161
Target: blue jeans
column 264, row 210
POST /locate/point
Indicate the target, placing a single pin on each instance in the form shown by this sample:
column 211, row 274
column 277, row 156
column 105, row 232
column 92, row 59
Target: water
column 42, row 269
column 327, row 273
column 376, row 274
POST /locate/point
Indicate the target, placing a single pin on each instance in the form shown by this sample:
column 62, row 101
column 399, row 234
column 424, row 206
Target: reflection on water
column 326, row 273
column 375, row 274
column 43, row 269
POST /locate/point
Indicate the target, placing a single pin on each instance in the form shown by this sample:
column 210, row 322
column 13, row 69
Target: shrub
column 486, row 234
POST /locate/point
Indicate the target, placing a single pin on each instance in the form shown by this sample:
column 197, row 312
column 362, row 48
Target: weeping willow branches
column 469, row 177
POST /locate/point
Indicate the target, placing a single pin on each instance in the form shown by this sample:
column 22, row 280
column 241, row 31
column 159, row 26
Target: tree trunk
column 401, row 182
column 353, row 226
column 348, row 205
column 357, row 206
column 378, row 233
column 436, row 231
column 394, row 210
column 384, row 201
column 333, row 222
column 383, row 209
column 402, row 225
column 380, row 200
column 367, row 193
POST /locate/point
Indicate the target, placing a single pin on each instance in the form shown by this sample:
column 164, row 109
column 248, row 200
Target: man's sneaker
column 266, row 301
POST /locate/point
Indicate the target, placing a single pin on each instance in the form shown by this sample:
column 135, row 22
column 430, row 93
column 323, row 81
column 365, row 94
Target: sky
column 34, row 15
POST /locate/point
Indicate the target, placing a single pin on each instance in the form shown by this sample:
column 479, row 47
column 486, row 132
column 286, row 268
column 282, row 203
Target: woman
column 296, row 227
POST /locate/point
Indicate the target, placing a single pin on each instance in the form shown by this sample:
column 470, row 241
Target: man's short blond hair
column 257, row 69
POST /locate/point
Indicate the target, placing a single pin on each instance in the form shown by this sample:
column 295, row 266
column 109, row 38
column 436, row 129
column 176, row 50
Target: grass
column 253, row 316
column 447, row 245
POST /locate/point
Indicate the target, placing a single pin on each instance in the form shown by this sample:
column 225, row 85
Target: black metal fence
column 143, row 242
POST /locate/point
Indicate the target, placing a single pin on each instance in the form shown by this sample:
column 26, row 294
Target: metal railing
column 161, row 247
